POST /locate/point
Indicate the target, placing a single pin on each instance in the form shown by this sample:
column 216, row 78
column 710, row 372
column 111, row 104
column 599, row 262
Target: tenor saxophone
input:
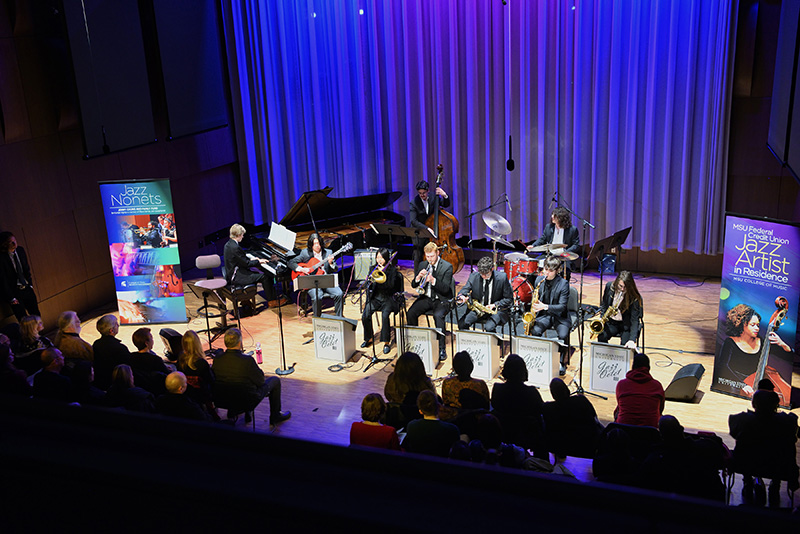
column 529, row 316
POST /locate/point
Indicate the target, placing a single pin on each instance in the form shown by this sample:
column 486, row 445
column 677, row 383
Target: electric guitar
column 314, row 261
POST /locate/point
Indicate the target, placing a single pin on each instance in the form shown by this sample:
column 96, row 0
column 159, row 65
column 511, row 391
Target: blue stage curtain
column 621, row 106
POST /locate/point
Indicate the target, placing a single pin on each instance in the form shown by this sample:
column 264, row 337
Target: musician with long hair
column 491, row 289
column 381, row 299
column 741, row 350
column 626, row 321
column 327, row 262
column 560, row 231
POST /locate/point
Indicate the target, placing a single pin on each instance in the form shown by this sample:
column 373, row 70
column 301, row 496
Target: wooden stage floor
column 680, row 325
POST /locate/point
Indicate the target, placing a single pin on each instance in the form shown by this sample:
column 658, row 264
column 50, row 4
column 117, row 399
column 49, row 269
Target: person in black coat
column 551, row 295
column 436, row 275
column 124, row 393
column 498, row 297
column 49, row 383
column 421, row 208
column 149, row 370
column 175, row 403
column 560, row 231
column 626, row 322
column 16, row 283
column 109, row 351
column 381, row 298
column 237, row 265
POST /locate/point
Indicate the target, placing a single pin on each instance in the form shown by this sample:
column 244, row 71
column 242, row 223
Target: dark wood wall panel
column 12, row 101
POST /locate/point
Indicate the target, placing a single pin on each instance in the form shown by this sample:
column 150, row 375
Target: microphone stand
column 375, row 360
column 282, row 370
column 469, row 218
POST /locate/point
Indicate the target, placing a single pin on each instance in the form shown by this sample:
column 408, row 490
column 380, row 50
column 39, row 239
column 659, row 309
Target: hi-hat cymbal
column 567, row 255
column 497, row 223
column 499, row 239
column 547, row 247
column 517, row 256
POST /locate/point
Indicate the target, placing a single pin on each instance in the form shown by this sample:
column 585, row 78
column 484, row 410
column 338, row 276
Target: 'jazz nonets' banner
column 143, row 243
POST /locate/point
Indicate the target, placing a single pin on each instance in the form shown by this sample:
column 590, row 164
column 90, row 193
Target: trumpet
column 529, row 316
column 423, row 286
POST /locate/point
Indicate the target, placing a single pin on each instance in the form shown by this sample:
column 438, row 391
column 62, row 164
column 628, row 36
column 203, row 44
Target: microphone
column 508, row 204
column 552, row 200
column 510, row 163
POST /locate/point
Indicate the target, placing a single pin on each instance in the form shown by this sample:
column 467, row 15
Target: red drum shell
column 523, row 290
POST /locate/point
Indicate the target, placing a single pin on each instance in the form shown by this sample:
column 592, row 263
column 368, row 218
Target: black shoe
column 774, row 494
column 248, row 417
column 442, row 355
column 365, row 344
column 387, row 348
column 280, row 418
column 759, row 492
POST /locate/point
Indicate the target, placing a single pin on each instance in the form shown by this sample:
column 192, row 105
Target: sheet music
column 282, row 236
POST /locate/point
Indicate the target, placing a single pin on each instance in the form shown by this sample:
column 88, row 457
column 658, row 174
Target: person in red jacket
column 640, row 397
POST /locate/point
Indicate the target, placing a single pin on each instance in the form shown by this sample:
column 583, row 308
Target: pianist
column 237, row 265
column 324, row 260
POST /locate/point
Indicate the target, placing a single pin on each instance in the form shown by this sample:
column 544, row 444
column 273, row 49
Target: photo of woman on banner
column 736, row 367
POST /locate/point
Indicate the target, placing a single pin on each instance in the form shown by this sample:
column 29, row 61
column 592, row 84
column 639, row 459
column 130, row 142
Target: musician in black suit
column 421, row 209
column 16, row 284
column 626, row 322
column 498, row 297
column 560, row 231
column 381, row 298
column 327, row 262
column 237, row 265
column 436, row 275
column 550, row 308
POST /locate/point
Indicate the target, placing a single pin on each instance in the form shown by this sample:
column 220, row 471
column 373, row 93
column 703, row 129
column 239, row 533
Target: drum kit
column 519, row 266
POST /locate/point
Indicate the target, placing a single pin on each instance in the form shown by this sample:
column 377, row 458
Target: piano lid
column 325, row 208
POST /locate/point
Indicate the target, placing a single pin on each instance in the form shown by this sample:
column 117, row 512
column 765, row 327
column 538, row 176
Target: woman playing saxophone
column 625, row 322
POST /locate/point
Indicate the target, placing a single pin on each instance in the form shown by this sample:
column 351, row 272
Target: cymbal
column 497, row 223
column 567, row 255
column 517, row 256
column 499, row 239
column 547, row 247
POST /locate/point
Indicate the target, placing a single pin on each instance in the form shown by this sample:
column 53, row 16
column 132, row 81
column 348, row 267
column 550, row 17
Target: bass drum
column 523, row 290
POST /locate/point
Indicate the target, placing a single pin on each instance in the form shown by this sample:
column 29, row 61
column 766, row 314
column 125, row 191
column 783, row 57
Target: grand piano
column 338, row 220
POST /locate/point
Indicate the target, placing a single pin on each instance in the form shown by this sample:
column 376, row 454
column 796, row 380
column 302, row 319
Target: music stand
column 315, row 281
column 396, row 230
column 619, row 239
column 600, row 247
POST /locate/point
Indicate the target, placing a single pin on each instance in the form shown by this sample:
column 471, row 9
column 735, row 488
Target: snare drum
column 523, row 290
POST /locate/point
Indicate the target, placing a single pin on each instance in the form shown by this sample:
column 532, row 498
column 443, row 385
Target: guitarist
column 325, row 264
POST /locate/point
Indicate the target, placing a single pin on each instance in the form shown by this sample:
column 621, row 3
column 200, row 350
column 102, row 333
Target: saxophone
column 528, row 318
column 480, row 309
column 598, row 323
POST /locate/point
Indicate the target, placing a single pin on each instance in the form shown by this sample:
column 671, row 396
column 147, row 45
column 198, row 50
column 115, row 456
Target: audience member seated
column 83, row 388
column 175, row 403
column 519, row 407
column 614, row 462
column 12, row 380
column 765, row 446
column 429, row 435
column 109, row 352
column 402, row 388
column 489, row 433
column 192, row 363
column 68, row 339
column 241, row 383
column 49, row 383
column 123, row 393
column 370, row 432
column 149, row 369
column 640, row 397
column 570, row 423
column 30, row 329
column 682, row 464
column 453, row 385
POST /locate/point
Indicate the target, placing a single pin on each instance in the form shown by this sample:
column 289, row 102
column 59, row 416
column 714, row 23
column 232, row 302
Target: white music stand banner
column 334, row 338
column 541, row 358
column 610, row 363
column 423, row 341
column 484, row 348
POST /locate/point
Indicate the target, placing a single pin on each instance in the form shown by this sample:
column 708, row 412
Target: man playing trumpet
column 384, row 282
column 434, row 283
column 490, row 289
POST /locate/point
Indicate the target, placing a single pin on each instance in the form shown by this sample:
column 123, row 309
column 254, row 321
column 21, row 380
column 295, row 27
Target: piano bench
column 237, row 293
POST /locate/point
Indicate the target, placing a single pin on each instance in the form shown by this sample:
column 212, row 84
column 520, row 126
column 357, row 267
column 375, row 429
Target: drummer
column 560, row 232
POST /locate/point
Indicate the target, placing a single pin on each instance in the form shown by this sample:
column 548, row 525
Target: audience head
column 175, row 382
column 122, row 376
column 52, row 360
column 372, row 408
column 82, row 373
column 766, row 383
column 641, row 361
column 68, row 322
column 670, row 429
column 489, row 431
column 427, row 403
column 143, row 339
column 460, row 451
column 559, row 390
column 6, row 357
column 514, row 369
column 409, row 369
column 193, row 349
column 463, row 366
column 29, row 328
column 4, row 340
column 765, row 401
column 8, row 243
column 108, row 325
column 233, row 338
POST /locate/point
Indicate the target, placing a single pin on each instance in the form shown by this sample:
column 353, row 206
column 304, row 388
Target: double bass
column 763, row 370
column 445, row 227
